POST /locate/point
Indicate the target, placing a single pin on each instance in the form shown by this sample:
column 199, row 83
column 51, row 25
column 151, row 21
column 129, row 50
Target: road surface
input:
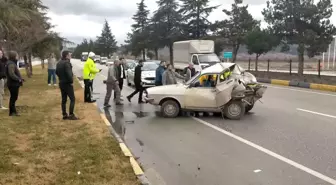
column 289, row 139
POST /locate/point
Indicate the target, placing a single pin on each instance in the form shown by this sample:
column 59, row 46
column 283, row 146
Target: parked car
column 129, row 63
column 103, row 60
column 109, row 62
column 232, row 96
column 97, row 59
column 21, row 64
column 147, row 74
column 156, row 61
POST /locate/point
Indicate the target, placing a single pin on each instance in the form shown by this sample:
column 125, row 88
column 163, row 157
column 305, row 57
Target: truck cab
column 198, row 52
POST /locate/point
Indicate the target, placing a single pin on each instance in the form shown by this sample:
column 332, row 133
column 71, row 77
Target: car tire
column 234, row 110
column 248, row 108
column 170, row 109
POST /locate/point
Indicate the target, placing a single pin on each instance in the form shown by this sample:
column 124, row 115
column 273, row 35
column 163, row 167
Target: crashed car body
column 232, row 96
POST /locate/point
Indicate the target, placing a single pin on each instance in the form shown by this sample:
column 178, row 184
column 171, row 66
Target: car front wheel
column 234, row 110
column 170, row 109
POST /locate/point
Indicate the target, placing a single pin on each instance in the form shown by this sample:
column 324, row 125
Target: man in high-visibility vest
column 89, row 73
column 225, row 75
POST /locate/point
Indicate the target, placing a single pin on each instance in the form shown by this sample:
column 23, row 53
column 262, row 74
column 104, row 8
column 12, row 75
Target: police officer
column 89, row 73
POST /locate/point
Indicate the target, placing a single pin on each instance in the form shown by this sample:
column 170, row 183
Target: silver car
column 147, row 74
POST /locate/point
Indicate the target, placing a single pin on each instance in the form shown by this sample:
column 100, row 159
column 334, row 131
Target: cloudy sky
column 78, row 19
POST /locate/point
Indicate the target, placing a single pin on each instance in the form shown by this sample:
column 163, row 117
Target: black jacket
column 64, row 72
column 3, row 62
column 121, row 71
column 13, row 74
column 137, row 75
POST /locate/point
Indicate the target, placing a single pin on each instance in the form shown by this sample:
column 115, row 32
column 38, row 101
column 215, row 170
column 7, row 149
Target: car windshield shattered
column 149, row 66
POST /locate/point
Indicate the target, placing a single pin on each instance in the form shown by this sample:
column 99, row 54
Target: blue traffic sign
column 228, row 55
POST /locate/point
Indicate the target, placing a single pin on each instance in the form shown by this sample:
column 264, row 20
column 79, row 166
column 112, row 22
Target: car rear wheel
column 234, row 110
column 170, row 109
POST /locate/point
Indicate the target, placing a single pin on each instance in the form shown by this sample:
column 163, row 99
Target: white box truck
column 199, row 52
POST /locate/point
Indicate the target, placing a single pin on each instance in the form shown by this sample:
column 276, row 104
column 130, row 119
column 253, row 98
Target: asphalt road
column 289, row 139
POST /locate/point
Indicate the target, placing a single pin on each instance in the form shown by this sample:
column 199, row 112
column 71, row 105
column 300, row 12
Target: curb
column 127, row 152
column 322, row 87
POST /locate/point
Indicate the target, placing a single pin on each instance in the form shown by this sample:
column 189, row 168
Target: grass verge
column 40, row 148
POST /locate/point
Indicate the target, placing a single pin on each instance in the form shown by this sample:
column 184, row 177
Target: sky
column 79, row 19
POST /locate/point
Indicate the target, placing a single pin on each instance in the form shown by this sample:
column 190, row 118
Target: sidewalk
column 40, row 148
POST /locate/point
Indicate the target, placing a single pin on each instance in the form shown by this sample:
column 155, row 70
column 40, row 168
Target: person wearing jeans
column 14, row 81
column 65, row 76
column 52, row 69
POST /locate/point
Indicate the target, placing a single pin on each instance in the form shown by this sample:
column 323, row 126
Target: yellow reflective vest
column 90, row 70
column 225, row 75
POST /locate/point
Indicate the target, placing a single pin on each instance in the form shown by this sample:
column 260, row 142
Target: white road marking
column 257, row 171
column 317, row 113
column 298, row 90
column 270, row 153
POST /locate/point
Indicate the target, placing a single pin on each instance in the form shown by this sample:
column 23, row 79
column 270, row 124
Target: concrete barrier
column 280, row 82
column 322, row 87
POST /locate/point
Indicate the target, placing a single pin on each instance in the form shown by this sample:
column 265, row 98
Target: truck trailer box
column 184, row 49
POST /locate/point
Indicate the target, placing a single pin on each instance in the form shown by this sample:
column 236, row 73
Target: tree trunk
column 143, row 54
column 30, row 64
column 171, row 54
column 234, row 53
column 156, row 51
column 25, row 59
column 256, row 62
column 42, row 63
column 301, row 59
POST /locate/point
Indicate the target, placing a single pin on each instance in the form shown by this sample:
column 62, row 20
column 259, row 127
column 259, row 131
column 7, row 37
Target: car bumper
column 148, row 83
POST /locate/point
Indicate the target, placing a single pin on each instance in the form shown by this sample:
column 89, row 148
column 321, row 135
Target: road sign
column 228, row 55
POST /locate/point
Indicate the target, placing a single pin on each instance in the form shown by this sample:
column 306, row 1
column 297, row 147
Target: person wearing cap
column 89, row 73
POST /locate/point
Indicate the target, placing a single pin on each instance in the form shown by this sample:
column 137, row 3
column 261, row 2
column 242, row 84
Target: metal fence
column 288, row 66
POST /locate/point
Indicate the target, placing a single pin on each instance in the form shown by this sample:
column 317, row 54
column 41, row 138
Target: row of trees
column 298, row 22
column 24, row 27
column 104, row 45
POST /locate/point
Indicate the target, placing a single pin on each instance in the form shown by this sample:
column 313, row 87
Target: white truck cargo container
column 199, row 52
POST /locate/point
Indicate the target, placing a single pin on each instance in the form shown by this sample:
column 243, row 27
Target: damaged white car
column 221, row 88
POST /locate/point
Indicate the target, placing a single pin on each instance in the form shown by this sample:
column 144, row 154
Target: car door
column 200, row 97
column 223, row 91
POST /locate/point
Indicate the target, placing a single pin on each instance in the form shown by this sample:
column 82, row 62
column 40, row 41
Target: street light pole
column 334, row 39
column 328, row 57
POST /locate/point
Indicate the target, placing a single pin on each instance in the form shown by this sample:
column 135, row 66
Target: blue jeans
column 51, row 74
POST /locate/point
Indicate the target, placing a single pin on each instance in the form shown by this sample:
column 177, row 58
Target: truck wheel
column 170, row 109
column 234, row 110
column 248, row 108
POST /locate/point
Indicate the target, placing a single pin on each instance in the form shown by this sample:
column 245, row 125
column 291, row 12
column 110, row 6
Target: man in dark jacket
column 14, row 81
column 158, row 73
column 3, row 61
column 121, row 74
column 137, row 83
column 65, row 76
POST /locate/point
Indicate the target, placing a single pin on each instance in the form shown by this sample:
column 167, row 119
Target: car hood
column 175, row 89
column 145, row 74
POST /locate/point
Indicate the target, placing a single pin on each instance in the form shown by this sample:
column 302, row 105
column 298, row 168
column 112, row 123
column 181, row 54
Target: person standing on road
column 121, row 75
column 159, row 72
column 89, row 73
column 52, row 69
column 169, row 76
column 137, row 82
column 3, row 62
column 190, row 72
column 112, row 83
column 65, row 77
column 14, row 81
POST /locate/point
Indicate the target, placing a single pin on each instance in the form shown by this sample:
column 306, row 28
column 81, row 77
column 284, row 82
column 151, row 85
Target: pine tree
column 196, row 12
column 167, row 21
column 302, row 22
column 106, row 43
column 140, row 31
column 236, row 27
